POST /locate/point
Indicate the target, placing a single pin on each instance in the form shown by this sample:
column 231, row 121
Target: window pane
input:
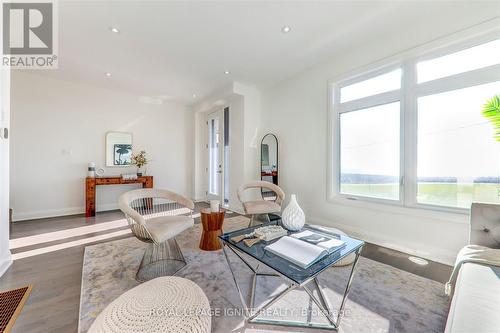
column 460, row 62
column 369, row 148
column 376, row 85
column 458, row 157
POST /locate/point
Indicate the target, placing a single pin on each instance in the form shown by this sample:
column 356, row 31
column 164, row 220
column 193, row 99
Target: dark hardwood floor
column 54, row 303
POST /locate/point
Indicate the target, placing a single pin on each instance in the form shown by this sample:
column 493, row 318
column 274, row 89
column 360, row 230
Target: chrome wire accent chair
column 156, row 217
column 260, row 207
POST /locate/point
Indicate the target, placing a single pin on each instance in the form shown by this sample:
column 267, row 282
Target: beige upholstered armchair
column 156, row 217
column 261, row 207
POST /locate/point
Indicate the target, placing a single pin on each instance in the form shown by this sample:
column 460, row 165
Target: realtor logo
column 29, row 35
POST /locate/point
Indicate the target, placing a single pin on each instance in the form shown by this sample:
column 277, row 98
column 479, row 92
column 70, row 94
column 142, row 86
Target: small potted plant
column 140, row 160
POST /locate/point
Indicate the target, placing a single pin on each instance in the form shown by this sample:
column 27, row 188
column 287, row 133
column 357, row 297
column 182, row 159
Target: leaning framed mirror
column 269, row 164
column 269, row 167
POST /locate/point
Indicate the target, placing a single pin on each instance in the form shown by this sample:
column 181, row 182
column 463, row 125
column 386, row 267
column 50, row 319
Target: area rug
column 382, row 298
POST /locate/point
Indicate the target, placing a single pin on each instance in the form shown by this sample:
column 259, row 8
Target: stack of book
column 129, row 176
column 306, row 247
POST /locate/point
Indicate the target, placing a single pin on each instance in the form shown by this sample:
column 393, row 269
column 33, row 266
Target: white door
column 215, row 145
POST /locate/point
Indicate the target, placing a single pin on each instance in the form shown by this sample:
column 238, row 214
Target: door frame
column 219, row 112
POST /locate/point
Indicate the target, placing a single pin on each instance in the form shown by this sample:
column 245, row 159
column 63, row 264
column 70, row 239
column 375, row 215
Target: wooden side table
column 212, row 229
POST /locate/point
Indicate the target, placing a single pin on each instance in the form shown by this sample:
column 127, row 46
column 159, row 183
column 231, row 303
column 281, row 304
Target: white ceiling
column 178, row 49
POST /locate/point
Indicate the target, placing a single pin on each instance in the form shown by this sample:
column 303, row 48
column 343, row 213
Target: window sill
column 395, row 208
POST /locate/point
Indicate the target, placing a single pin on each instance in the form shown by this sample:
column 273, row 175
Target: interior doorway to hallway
column 218, row 151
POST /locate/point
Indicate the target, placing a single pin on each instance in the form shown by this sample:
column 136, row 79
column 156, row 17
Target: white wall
column 59, row 126
column 252, row 109
column 297, row 111
column 5, row 256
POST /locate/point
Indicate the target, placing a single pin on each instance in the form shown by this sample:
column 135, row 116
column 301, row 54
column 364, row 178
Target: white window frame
column 407, row 96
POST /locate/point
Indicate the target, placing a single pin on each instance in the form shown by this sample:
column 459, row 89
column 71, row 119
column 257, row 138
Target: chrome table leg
column 322, row 303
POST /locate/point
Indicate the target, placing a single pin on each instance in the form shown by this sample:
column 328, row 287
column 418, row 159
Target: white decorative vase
column 214, row 206
column 91, row 170
column 293, row 217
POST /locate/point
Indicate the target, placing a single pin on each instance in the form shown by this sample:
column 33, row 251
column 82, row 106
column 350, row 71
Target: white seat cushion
column 261, row 207
column 165, row 227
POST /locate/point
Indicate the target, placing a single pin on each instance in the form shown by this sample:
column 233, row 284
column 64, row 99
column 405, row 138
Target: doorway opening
column 218, row 156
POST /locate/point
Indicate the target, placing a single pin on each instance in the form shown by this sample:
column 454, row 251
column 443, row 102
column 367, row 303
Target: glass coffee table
column 294, row 276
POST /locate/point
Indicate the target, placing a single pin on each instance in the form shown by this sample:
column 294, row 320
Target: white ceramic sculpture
column 91, row 170
column 293, row 217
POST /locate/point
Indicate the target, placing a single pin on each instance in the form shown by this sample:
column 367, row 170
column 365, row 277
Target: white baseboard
column 21, row 216
column 41, row 214
column 106, row 207
column 5, row 264
column 421, row 250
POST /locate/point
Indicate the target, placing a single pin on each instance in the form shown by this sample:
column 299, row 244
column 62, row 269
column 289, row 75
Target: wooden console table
column 91, row 183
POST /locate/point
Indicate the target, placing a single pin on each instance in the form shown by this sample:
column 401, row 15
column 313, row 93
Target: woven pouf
column 345, row 261
column 164, row 304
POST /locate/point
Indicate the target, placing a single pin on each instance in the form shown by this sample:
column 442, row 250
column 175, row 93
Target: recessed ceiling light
column 115, row 30
column 194, row 95
column 108, row 74
column 227, row 72
column 286, row 29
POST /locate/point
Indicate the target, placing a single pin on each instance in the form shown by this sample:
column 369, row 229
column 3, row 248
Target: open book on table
column 305, row 248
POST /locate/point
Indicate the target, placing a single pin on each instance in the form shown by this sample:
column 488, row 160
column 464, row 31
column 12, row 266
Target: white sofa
column 475, row 306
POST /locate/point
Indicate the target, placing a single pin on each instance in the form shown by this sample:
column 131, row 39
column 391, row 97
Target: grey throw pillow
column 485, row 225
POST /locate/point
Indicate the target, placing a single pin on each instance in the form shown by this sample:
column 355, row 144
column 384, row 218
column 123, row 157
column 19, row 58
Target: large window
column 370, row 154
column 373, row 86
column 458, row 158
column 414, row 134
column 483, row 55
